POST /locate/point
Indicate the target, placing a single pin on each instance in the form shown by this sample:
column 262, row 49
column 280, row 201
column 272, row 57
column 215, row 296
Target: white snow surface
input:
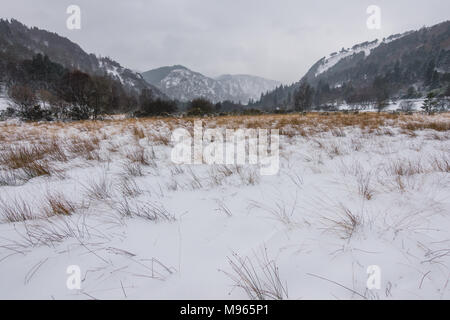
column 404, row 228
column 4, row 103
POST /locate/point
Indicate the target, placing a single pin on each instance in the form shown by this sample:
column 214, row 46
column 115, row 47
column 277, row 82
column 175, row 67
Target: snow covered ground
column 353, row 191
column 4, row 102
column 415, row 105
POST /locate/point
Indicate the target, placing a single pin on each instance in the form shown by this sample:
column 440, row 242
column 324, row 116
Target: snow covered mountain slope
column 181, row 83
column 17, row 41
column 246, row 87
column 417, row 60
column 366, row 47
column 411, row 51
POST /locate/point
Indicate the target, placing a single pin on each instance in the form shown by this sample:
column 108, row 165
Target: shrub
column 200, row 107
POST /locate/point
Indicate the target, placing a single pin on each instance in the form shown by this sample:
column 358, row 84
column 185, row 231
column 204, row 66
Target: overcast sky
column 277, row 39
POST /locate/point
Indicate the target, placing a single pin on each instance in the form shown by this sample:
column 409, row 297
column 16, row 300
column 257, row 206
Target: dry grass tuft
column 249, row 176
column 99, row 190
column 16, row 157
column 133, row 169
column 52, row 231
column 338, row 132
column 36, row 169
column 364, row 185
column 11, row 178
column 129, row 188
column 441, row 163
column 88, row 148
column 138, row 155
column 405, row 167
column 138, row 133
column 260, row 279
column 159, row 139
column 345, row 224
column 58, row 205
column 431, row 125
column 148, row 211
column 281, row 211
column 16, row 210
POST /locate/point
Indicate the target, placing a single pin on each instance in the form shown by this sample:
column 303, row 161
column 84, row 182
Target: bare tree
column 23, row 97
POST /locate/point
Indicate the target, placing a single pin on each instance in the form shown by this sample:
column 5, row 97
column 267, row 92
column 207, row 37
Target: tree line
column 42, row 89
column 304, row 96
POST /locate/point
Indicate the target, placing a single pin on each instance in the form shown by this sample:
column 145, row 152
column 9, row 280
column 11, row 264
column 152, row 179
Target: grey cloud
column 277, row 39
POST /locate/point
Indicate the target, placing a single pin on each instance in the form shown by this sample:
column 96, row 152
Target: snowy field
column 353, row 191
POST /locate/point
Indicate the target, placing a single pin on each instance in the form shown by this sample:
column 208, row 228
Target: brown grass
column 345, row 224
column 138, row 155
column 36, row 169
column 299, row 124
column 58, row 205
column 405, row 167
column 15, row 210
column 138, row 132
column 441, row 163
column 364, row 185
column 87, row 148
column 436, row 125
column 159, row 139
column 16, row 157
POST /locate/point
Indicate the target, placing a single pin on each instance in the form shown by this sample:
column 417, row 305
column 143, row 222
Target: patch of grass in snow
column 49, row 232
column 364, row 181
column 146, row 210
column 344, row 223
column 133, row 169
column 280, row 211
column 100, row 189
column 12, row 178
column 159, row 138
column 16, row 210
column 129, row 188
column 258, row 277
column 58, row 205
column 29, row 159
column 436, row 125
column 405, row 167
column 441, row 163
column 140, row 156
column 87, row 148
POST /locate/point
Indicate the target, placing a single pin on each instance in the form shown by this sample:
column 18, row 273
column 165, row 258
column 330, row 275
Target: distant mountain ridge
column 179, row 82
column 19, row 42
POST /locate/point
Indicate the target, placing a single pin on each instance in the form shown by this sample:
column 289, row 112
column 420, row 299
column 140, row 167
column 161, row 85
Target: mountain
column 179, row 82
column 411, row 63
column 246, row 87
column 18, row 42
